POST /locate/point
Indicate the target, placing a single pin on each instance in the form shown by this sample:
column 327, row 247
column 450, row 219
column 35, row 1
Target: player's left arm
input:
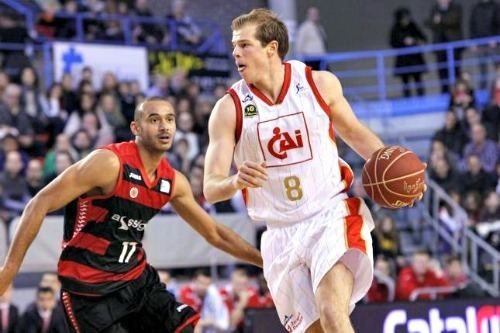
column 346, row 124
column 215, row 233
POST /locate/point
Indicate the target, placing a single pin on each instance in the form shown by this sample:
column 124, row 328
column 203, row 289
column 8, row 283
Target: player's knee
column 333, row 320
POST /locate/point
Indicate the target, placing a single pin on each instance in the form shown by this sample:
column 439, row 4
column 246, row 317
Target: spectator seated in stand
column 491, row 208
column 63, row 160
column 475, row 178
column 472, row 206
column 238, row 296
column 452, row 134
column 262, row 298
column 386, row 240
column 13, row 30
column 32, row 101
column 462, row 96
column 485, row 148
column 440, row 151
column 149, row 33
column 14, row 118
column 9, row 142
column 202, row 295
column 9, row 313
column 34, row 176
column 188, row 33
column 419, row 275
column 457, row 277
column 444, row 175
column 13, row 182
column 44, row 315
column 491, row 113
column 379, row 291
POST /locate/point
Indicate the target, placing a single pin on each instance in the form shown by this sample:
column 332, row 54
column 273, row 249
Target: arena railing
column 433, row 292
column 211, row 34
column 370, row 74
column 479, row 258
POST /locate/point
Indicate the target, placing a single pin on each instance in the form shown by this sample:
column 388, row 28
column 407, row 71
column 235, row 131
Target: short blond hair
column 269, row 28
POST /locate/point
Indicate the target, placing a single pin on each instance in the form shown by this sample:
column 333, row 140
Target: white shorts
column 298, row 256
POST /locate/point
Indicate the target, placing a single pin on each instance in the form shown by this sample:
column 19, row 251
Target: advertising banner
column 126, row 62
column 449, row 316
column 207, row 70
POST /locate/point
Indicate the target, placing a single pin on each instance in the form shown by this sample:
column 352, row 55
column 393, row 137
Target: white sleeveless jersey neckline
column 296, row 139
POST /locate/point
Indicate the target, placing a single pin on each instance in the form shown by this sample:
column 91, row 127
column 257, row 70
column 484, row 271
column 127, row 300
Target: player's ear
column 272, row 48
column 134, row 127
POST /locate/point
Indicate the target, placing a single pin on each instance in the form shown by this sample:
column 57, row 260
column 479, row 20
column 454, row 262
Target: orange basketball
column 393, row 177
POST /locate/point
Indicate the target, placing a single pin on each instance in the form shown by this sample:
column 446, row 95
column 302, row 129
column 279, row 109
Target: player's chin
column 161, row 146
column 164, row 145
column 245, row 75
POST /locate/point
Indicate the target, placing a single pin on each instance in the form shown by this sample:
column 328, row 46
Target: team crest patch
column 134, row 192
column 285, row 140
column 250, row 110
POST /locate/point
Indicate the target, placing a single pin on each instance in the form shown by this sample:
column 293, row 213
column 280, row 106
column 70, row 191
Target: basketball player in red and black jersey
column 107, row 285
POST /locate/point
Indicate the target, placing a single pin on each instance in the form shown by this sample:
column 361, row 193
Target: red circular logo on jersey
column 134, row 192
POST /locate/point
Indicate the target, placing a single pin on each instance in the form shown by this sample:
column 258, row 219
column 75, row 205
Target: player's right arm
column 99, row 170
column 218, row 184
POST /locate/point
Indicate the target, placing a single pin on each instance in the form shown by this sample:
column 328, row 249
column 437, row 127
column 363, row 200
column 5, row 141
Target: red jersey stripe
column 354, row 225
column 321, row 101
column 316, row 93
column 90, row 242
column 239, row 115
column 87, row 274
column 192, row 321
column 96, row 214
column 346, row 175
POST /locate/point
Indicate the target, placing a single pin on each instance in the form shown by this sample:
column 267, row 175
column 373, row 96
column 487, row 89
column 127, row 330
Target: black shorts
column 143, row 306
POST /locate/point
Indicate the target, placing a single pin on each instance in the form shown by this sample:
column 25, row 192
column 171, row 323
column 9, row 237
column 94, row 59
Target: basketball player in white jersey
column 278, row 122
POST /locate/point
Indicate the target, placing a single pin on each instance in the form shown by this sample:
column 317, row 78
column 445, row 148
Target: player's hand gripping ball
column 394, row 177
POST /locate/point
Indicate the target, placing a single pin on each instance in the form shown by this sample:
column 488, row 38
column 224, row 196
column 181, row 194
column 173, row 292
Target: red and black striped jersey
column 102, row 248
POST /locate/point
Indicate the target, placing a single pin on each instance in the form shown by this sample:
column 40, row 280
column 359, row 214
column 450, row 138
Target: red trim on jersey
column 316, row 93
column 244, row 193
column 97, row 214
column 140, row 255
column 66, row 300
column 283, row 91
column 354, row 225
column 321, row 101
column 90, row 242
column 191, row 321
column 239, row 115
column 346, row 175
column 331, row 132
column 142, row 195
column 87, row 274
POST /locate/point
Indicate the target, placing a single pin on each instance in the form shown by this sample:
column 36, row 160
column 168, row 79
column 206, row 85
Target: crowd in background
column 222, row 305
column 44, row 132
column 445, row 25
column 55, row 21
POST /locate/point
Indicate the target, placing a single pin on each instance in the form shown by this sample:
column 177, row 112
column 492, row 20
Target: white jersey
column 296, row 139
